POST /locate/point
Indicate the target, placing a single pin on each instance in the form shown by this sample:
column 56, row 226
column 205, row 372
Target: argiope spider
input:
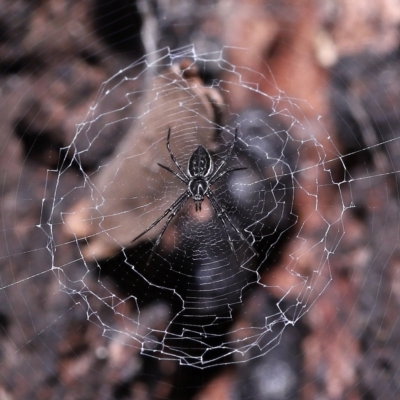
column 199, row 177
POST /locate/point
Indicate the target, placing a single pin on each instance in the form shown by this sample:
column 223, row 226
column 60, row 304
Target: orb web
column 178, row 299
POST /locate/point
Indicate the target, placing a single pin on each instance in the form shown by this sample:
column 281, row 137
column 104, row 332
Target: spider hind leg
column 226, row 220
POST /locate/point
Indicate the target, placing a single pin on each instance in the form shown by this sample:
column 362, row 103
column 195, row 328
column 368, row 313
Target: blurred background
column 339, row 58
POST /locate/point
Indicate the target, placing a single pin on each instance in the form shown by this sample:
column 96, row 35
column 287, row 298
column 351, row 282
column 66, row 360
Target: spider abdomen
column 200, row 163
column 198, row 188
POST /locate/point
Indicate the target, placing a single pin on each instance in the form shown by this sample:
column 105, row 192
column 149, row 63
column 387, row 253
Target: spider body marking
column 200, row 167
column 199, row 177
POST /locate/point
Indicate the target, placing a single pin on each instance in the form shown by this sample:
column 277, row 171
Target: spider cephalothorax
column 199, row 177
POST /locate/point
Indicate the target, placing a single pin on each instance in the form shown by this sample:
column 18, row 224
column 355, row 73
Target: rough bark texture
column 341, row 57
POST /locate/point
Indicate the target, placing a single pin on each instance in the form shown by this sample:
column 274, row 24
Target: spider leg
column 179, row 166
column 176, row 203
column 218, row 177
column 184, row 180
column 225, row 159
column 221, row 213
column 177, row 208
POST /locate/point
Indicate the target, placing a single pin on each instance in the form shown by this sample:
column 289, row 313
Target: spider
column 200, row 175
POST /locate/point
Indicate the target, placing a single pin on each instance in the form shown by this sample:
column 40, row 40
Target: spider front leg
column 225, row 159
column 176, row 162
